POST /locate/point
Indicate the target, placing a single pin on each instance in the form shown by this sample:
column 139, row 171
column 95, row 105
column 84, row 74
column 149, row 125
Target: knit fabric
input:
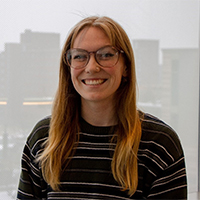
column 161, row 165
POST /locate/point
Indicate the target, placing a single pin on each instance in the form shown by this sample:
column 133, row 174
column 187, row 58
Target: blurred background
column 165, row 39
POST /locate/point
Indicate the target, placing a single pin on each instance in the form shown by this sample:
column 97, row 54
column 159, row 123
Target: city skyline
column 174, row 23
column 32, row 54
column 29, row 73
column 169, row 29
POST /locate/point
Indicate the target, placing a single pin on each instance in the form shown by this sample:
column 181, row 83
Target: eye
column 106, row 53
column 79, row 57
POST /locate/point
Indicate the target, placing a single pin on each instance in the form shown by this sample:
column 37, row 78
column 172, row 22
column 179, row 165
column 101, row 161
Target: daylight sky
column 174, row 22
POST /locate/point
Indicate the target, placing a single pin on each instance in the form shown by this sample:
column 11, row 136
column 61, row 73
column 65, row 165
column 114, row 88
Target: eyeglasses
column 107, row 56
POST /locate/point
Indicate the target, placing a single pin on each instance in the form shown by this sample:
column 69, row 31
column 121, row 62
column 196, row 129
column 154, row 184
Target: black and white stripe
column 161, row 167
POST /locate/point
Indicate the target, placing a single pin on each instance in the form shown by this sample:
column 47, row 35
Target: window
column 164, row 34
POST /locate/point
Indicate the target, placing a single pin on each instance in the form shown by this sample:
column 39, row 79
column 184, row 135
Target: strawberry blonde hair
column 64, row 124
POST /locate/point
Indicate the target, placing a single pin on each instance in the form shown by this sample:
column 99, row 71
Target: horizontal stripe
column 161, row 168
column 145, row 151
column 171, row 175
column 145, row 155
column 90, row 158
column 162, row 147
column 88, row 171
column 95, row 135
column 35, row 132
column 93, row 144
column 141, row 164
column 94, row 149
column 91, row 184
column 89, row 194
column 166, row 182
column 24, row 193
column 165, row 191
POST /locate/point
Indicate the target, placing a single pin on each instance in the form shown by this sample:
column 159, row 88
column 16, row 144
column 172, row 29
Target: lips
column 94, row 82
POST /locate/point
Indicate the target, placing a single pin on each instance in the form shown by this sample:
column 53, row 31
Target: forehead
column 91, row 38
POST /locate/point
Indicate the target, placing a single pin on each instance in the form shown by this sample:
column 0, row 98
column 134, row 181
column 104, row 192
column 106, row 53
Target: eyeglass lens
column 106, row 57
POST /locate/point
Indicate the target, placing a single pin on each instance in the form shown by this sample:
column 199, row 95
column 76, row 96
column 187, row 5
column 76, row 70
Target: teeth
column 94, row 82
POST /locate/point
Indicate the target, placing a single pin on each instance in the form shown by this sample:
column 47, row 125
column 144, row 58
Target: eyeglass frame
column 93, row 52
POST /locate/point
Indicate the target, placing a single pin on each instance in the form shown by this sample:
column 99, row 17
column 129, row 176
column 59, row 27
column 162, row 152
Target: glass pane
column 164, row 34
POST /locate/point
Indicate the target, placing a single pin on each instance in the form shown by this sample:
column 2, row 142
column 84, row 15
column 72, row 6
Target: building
column 180, row 100
column 148, row 73
column 29, row 76
column 180, row 73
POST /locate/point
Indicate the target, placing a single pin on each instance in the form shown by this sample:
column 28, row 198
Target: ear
column 125, row 72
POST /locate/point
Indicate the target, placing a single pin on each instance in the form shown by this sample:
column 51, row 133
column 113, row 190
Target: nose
column 92, row 65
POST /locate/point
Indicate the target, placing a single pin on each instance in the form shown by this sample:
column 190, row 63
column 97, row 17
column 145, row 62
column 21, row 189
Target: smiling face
column 95, row 83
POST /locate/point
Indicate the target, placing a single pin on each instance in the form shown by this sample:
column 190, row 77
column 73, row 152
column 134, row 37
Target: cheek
column 116, row 72
column 74, row 81
column 74, row 74
column 120, row 68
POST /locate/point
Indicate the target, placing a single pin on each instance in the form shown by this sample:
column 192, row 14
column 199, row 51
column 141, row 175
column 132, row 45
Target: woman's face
column 93, row 82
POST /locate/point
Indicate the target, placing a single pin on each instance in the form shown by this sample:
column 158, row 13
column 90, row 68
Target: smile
column 94, row 82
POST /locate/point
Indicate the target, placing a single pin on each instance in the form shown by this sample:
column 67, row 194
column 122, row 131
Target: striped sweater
column 161, row 165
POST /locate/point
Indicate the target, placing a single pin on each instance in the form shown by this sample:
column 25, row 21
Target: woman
column 96, row 144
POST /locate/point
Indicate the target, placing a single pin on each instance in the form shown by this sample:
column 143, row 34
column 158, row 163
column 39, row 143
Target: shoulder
column 160, row 156
column 39, row 133
column 159, row 136
column 151, row 122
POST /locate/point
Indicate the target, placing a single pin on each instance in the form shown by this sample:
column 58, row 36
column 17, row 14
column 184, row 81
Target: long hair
column 64, row 124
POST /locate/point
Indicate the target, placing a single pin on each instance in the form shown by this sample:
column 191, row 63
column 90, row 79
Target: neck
column 98, row 113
